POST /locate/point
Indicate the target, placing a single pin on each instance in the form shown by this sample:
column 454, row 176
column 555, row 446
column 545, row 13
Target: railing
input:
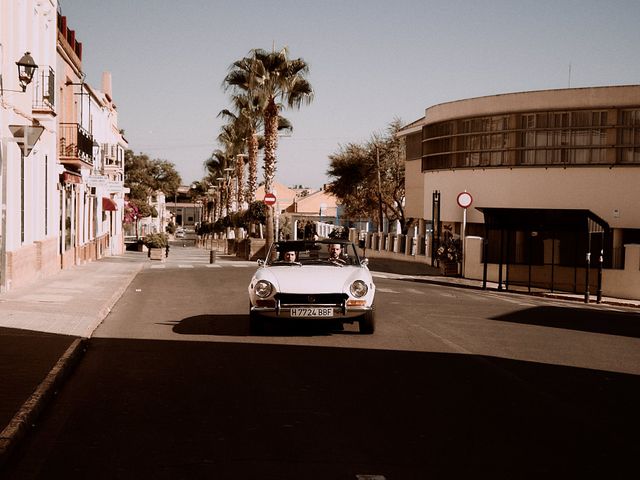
column 75, row 143
column 110, row 156
column 45, row 87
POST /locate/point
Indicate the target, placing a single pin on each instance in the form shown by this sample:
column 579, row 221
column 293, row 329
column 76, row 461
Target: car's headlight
column 263, row 289
column 359, row 288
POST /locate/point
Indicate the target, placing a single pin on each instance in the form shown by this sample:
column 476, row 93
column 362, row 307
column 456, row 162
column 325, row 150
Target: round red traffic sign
column 269, row 199
column 465, row 199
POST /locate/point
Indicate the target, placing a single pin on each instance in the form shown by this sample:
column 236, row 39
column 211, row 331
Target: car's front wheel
column 367, row 322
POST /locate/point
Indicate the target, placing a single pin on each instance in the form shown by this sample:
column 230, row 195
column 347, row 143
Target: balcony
column 44, row 91
column 110, row 161
column 76, row 145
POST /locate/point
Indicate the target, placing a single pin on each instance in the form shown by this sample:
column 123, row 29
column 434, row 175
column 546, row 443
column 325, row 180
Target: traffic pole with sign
column 464, row 201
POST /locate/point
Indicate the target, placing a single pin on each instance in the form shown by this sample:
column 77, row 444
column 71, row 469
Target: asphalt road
column 454, row 383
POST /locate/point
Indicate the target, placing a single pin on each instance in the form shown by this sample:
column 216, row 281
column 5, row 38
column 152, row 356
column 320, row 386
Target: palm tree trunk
column 240, row 181
column 253, row 168
column 270, row 146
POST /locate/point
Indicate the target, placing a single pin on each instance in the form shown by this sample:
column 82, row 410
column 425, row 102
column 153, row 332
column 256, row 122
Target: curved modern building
column 554, row 175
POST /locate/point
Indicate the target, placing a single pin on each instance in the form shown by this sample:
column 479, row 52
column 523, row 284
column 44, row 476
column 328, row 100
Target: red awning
column 71, row 177
column 108, row 204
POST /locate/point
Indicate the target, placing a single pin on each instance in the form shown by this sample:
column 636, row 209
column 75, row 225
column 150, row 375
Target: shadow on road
column 581, row 319
column 238, row 325
column 170, row 409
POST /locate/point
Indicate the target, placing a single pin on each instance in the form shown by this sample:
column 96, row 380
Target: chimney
column 106, row 84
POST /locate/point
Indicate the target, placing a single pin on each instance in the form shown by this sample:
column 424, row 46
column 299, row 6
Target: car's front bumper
column 306, row 312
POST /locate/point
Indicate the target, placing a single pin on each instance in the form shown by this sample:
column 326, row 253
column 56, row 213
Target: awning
column 543, row 219
column 109, row 205
column 70, row 177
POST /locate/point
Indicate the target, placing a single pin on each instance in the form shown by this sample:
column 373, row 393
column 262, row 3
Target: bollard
column 212, row 256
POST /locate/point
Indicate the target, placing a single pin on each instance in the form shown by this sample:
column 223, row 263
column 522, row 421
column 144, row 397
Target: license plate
column 312, row 312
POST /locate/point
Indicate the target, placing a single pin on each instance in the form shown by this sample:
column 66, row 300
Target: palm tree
column 272, row 81
column 216, row 166
column 246, row 121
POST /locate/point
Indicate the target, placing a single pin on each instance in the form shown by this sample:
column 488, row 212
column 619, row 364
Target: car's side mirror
column 364, row 262
column 261, row 263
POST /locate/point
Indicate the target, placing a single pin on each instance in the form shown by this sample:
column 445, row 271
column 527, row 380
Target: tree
column 355, row 169
column 145, row 176
column 246, row 121
column 272, row 81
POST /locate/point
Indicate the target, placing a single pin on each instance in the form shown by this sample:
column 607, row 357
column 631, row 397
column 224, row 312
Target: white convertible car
column 313, row 280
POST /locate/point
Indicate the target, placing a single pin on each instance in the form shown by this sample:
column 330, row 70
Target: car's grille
column 311, row 299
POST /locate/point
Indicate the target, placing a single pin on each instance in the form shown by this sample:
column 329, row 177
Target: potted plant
column 157, row 244
column 449, row 254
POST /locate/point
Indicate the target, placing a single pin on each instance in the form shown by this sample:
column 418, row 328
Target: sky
column 370, row 62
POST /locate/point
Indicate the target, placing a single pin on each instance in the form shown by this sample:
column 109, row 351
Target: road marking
column 213, row 266
column 158, row 266
column 185, row 266
column 385, row 290
column 415, row 291
column 511, row 300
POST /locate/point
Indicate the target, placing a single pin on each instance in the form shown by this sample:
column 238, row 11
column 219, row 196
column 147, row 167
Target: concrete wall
column 610, row 193
column 615, row 283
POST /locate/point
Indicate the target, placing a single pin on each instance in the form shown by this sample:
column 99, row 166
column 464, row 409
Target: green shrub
column 156, row 240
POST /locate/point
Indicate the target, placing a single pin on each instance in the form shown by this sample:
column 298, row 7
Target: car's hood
column 312, row 279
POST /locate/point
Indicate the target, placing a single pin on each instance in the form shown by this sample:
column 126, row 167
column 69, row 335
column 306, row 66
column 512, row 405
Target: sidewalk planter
column 157, row 254
column 157, row 244
column 449, row 269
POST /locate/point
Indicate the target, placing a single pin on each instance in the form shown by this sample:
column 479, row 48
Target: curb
column 23, row 420
column 568, row 298
column 106, row 309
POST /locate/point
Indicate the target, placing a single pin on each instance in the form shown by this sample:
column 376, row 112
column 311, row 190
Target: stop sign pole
column 464, row 201
column 269, row 199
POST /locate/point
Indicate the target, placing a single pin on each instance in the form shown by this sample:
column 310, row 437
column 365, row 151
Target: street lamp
column 26, row 69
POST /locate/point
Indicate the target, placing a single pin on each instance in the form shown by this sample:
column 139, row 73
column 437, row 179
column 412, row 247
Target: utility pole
column 380, row 217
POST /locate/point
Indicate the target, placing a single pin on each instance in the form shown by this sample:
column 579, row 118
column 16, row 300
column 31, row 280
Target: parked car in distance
column 310, row 280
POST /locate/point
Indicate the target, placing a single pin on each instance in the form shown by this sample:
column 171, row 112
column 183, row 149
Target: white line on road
column 385, row 290
column 185, row 266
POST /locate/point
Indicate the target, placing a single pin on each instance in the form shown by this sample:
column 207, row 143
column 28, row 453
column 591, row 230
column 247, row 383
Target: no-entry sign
column 269, row 199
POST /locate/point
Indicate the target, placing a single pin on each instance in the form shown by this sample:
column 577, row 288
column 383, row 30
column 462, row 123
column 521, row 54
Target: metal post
column 485, row 249
column 464, row 234
column 380, row 215
column 501, row 260
column 586, row 291
column 600, row 262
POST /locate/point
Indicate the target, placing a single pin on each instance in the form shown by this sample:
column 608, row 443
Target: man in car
column 335, row 253
column 289, row 257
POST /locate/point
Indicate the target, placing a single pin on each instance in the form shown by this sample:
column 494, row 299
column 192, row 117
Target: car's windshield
column 313, row 253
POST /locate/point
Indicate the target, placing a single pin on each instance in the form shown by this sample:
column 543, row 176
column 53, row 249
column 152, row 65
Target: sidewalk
column 44, row 327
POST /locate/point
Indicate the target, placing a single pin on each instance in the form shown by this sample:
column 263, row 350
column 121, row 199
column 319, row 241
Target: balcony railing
column 44, row 91
column 110, row 159
column 76, row 144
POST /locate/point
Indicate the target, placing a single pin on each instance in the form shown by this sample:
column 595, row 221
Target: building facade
column 553, row 177
column 28, row 132
column 55, row 132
